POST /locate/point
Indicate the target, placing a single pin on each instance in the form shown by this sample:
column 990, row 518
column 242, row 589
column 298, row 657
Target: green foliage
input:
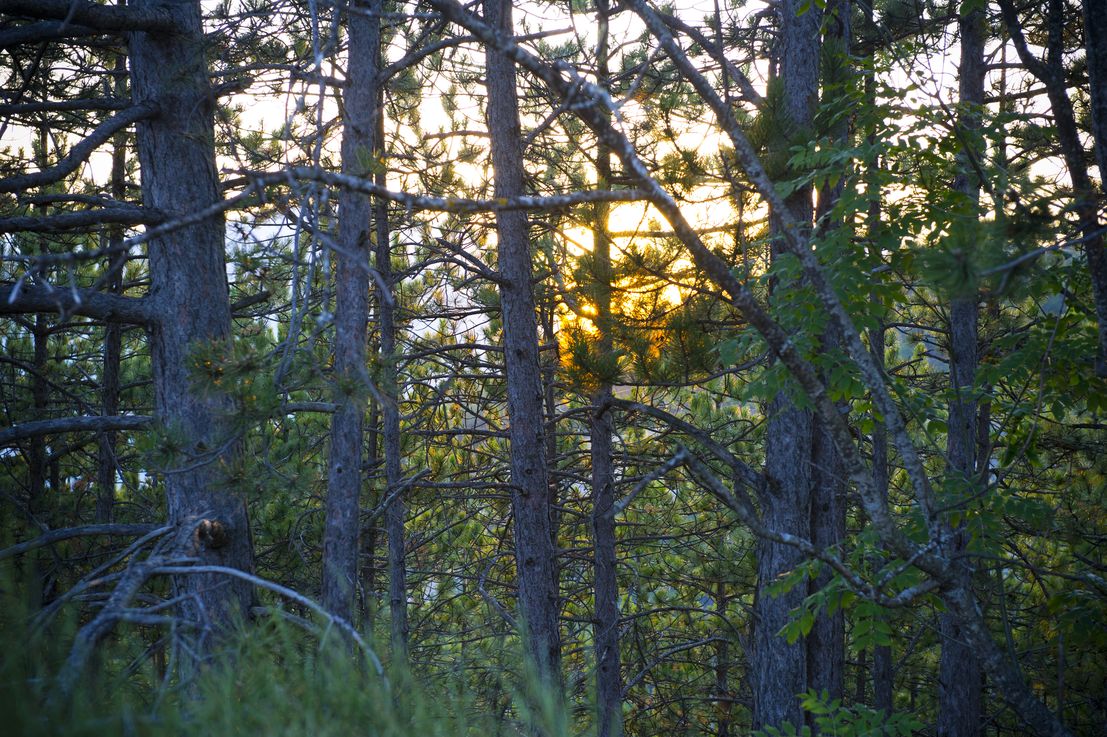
column 831, row 717
column 898, row 243
column 774, row 135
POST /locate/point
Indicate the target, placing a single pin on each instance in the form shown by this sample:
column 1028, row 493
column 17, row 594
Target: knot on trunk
column 212, row 533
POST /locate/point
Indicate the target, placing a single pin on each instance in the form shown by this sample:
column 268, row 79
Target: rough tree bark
column 959, row 702
column 534, row 551
column 351, row 320
column 779, row 670
column 369, row 529
column 191, row 302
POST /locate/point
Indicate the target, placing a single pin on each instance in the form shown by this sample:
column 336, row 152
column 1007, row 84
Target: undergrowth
column 268, row 678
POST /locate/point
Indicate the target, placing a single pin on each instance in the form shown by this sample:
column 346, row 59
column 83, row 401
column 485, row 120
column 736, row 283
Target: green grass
column 271, row 678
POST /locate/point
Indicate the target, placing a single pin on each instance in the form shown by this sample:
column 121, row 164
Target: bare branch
column 620, row 506
column 341, row 624
column 79, row 153
column 49, row 30
column 101, row 17
column 744, row 471
column 19, row 299
column 394, row 493
column 135, row 575
column 62, row 106
column 250, row 301
column 38, row 428
column 324, row 407
column 63, row 222
column 748, row 90
column 665, row 655
column 447, row 204
column 68, row 533
column 422, row 52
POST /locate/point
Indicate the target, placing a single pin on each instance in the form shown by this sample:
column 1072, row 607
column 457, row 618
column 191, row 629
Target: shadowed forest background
column 553, row 368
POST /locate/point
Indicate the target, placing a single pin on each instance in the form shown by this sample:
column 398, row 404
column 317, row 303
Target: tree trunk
column 779, row 670
column 189, row 288
column 113, row 331
column 40, row 389
column 826, row 643
column 40, row 396
column 1095, row 45
column 609, row 682
column 352, row 285
column 883, row 675
column 369, row 532
column 551, row 362
column 396, row 515
column 534, row 551
column 959, row 707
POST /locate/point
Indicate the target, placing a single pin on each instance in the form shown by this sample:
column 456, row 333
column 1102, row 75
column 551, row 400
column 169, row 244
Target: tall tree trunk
column 534, row 551
column 40, row 397
column 188, row 278
column 351, row 320
column 1095, row 45
column 883, row 672
column 883, row 675
column 396, row 514
column 826, row 643
column 369, row 532
column 609, row 682
column 959, row 707
column 113, row 331
column 547, row 317
column 40, row 389
column 779, row 670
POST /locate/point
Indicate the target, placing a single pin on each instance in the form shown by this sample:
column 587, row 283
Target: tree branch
column 68, row 533
column 101, row 17
column 102, row 423
column 49, row 30
column 341, row 624
column 65, row 221
column 446, row 204
column 748, row 90
column 79, row 153
column 18, row 299
column 61, row 106
column 38, row 428
column 742, row 470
